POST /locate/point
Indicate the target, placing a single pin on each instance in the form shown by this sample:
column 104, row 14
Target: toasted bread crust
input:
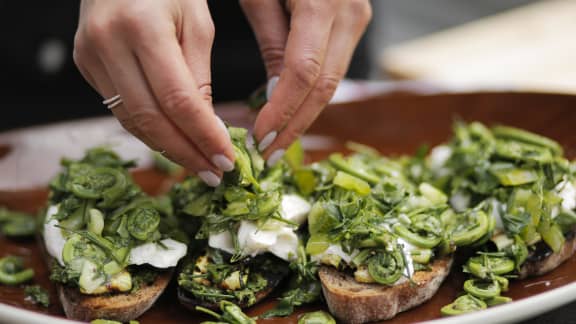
column 532, row 268
column 188, row 301
column 353, row 302
column 121, row 307
column 191, row 303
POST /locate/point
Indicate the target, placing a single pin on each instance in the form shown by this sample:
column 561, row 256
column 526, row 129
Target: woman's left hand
column 308, row 44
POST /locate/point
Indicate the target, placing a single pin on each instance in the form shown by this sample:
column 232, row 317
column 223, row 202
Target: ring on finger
column 112, row 101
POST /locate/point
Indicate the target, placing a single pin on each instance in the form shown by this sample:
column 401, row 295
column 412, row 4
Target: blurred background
column 453, row 43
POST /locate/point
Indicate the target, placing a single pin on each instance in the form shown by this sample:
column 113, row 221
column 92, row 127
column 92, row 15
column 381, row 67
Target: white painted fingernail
column 271, row 85
column 275, row 157
column 222, row 124
column 267, row 140
column 209, row 178
column 249, row 141
column 222, row 162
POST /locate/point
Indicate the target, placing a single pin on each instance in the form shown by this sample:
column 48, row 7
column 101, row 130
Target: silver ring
column 112, row 101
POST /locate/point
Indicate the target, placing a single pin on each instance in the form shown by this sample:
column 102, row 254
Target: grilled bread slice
column 354, row 302
column 121, row 307
column 188, row 300
column 543, row 260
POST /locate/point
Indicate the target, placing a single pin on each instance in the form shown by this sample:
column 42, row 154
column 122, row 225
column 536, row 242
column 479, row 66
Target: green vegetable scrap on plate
column 13, row 272
column 16, row 224
column 37, row 295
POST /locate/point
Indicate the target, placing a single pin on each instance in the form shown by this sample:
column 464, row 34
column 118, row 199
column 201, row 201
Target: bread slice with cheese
column 354, row 302
column 121, row 307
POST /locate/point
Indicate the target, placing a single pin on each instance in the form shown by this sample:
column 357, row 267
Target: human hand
column 309, row 45
column 156, row 55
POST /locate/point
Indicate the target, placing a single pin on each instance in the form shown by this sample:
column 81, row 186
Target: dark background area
column 42, row 84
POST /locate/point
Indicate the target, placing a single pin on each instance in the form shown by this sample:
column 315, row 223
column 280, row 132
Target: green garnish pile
column 103, row 215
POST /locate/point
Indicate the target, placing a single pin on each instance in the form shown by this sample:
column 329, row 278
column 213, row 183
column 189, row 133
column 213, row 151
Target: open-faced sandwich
column 245, row 231
column 524, row 184
column 110, row 247
column 379, row 237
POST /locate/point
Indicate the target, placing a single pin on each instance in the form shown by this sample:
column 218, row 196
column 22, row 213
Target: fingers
column 152, row 68
column 196, row 45
column 270, row 25
column 310, row 27
column 345, row 34
column 179, row 98
column 140, row 112
column 102, row 83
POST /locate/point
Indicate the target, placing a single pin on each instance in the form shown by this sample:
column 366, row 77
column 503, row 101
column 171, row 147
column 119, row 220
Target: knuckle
column 133, row 22
column 128, row 125
column 144, row 120
column 177, row 102
column 307, row 71
column 273, row 55
column 362, row 10
column 98, row 30
column 208, row 32
column 326, row 86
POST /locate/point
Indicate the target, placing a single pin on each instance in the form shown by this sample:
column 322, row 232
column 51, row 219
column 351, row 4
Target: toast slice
column 121, row 307
column 543, row 260
column 188, row 301
column 354, row 302
column 263, row 267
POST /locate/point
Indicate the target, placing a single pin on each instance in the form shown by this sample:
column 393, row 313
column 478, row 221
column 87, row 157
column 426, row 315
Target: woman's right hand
column 156, row 56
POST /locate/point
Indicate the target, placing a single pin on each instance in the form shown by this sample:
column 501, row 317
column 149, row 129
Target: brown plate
column 395, row 125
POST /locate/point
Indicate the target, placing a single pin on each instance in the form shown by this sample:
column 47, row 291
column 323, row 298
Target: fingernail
column 222, row 162
column 275, row 157
column 271, row 85
column 249, row 141
column 209, row 178
column 267, row 140
column 222, row 124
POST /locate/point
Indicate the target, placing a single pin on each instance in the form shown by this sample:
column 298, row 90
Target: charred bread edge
column 353, row 302
column 121, row 307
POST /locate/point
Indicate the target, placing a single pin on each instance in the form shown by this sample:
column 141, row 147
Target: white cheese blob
column 335, row 249
column 439, row 155
column 222, row 241
column 275, row 237
column 294, row 208
column 460, row 201
column 165, row 254
column 53, row 238
column 567, row 192
column 497, row 208
column 407, row 251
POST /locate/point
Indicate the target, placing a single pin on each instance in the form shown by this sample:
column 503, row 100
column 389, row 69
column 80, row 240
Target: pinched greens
column 102, row 215
column 247, row 193
column 250, row 194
